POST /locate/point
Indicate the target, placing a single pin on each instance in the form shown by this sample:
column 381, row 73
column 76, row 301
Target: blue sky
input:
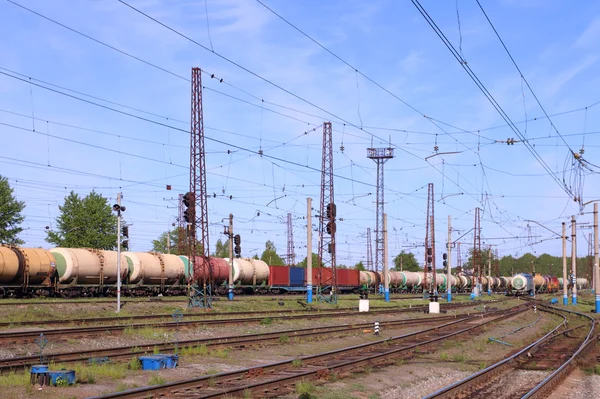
column 80, row 146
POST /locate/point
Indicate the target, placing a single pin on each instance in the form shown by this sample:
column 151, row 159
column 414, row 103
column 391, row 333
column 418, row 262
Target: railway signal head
column 236, row 239
column 331, row 228
column 188, row 199
column 331, row 211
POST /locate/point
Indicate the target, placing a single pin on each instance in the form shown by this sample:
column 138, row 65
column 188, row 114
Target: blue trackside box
column 157, row 362
column 61, row 377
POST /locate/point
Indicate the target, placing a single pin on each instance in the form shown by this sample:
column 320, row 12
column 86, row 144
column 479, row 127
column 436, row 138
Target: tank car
column 26, row 272
column 523, row 284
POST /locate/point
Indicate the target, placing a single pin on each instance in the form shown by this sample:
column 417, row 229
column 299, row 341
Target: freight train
column 83, row 272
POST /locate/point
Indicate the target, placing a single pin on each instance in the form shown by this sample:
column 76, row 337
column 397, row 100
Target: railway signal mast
column 291, row 256
column 327, row 226
column 369, row 251
column 477, row 254
column 196, row 214
column 429, row 266
column 119, row 208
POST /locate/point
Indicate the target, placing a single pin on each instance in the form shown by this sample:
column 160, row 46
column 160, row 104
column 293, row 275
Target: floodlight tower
column 327, row 226
column 369, row 251
column 291, row 256
column 380, row 156
column 196, row 214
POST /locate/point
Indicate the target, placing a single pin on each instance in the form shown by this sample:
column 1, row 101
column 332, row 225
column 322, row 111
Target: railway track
column 12, row 337
column 556, row 351
column 275, row 379
column 241, row 341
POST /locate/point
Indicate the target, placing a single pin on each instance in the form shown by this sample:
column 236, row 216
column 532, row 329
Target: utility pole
column 118, row 208
column 369, row 251
column 596, row 271
column 309, row 250
column 477, row 254
column 380, row 156
column 386, row 271
column 574, row 258
column 564, row 253
column 449, row 266
column 169, row 241
column 489, row 271
column 429, row 265
column 291, row 256
column 230, row 278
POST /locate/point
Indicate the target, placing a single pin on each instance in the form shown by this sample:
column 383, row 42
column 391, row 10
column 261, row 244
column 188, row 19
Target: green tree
column 360, row 266
column 85, row 223
column 222, row 249
column 160, row 244
column 406, row 261
column 10, row 215
column 269, row 255
column 315, row 261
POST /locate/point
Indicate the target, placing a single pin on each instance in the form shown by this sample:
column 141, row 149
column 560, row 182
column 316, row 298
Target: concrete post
column 596, row 270
column 564, row 253
column 309, row 292
column 119, row 253
column 574, row 258
column 449, row 252
column 230, row 278
column 386, row 271
column 489, row 271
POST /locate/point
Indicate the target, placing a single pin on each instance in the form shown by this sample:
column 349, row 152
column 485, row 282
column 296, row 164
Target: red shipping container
column 279, row 276
column 322, row 276
column 348, row 277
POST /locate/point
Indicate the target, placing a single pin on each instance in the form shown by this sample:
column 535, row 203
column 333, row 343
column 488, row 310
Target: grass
column 459, row 358
column 156, row 380
column 147, row 332
column 267, row 321
column 201, row 350
column 304, row 388
column 222, row 353
column 14, row 379
column 284, row 339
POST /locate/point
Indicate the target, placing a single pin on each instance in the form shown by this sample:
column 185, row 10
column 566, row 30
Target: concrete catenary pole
column 386, row 270
column 596, row 270
column 449, row 252
column 489, row 277
column 309, row 292
column 564, row 253
column 230, row 277
column 119, row 253
column 574, row 258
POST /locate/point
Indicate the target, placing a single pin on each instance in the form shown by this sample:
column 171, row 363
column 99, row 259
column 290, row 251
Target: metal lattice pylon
column 201, row 287
column 291, row 255
column 429, row 264
column 380, row 156
column 327, row 225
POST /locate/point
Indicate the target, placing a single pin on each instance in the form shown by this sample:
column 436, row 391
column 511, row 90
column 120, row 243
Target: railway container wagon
column 26, row 272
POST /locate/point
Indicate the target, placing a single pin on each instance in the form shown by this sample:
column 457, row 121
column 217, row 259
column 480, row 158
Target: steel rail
column 126, row 352
column 318, row 371
column 499, row 367
column 27, row 336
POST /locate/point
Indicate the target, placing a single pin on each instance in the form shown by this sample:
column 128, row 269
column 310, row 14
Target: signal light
column 330, row 228
column 445, row 264
column 188, row 199
column 444, row 256
column 189, row 215
column 331, row 211
column 429, row 251
column 189, row 202
column 125, row 231
column 237, row 239
column 429, row 259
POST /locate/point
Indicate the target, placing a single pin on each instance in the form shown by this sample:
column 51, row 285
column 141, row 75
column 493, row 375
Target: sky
column 108, row 109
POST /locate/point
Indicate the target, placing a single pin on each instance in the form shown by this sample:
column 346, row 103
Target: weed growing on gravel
column 14, row 379
column 297, row 363
column 304, row 388
column 460, row 358
column 212, row 371
column 121, row 386
column 156, row 380
column 222, row 353
column 267, row 321
column 146, row 332
column 444, row 356
column 194, row 350
column 134, row 363
column 284, row 339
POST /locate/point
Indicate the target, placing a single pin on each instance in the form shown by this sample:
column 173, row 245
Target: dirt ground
column 444, row 365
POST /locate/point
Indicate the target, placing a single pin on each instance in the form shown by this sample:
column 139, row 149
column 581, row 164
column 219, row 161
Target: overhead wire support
column 477, row 254
column 369, row 251
column 488, row 95
column 327, row 225
column 291, row 255
column 200, row 288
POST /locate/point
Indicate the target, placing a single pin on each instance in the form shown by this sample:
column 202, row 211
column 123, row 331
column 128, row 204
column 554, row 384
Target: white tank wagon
column 247, row 271
column 151, row 268
column 82, row 266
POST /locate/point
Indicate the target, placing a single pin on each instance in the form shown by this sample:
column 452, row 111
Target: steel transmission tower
column 291, row 256
column 369, row 251
column 201, row 294
column 181, row 231
column 429, row 265
column 327, row 226
column 380, row 156
column 477, row 252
